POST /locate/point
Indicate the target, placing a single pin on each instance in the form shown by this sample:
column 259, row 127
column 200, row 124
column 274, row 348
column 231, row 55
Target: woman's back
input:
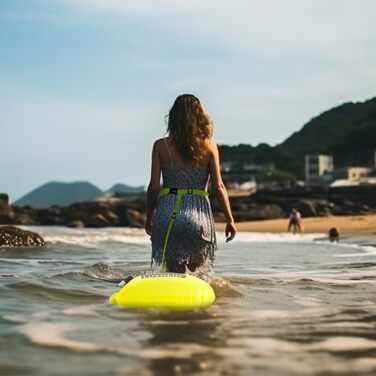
column 185, row 177
column 177, row 173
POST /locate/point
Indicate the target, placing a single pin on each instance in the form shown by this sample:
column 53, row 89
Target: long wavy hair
column 189, row 127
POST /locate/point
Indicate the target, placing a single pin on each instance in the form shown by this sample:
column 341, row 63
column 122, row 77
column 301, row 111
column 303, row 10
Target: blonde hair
column 189, row 127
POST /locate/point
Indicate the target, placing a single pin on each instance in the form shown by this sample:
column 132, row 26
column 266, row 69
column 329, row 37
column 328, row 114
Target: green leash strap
column 179, row 193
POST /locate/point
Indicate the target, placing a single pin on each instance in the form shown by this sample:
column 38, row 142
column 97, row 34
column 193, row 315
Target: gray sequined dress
column 192, row 238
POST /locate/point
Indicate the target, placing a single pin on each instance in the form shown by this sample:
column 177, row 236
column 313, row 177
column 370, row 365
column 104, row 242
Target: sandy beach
column 347, row 225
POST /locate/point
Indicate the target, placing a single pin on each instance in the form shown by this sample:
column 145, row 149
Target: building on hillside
column 318, row 169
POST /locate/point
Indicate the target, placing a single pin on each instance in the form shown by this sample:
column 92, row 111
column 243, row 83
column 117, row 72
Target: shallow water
column 286, row 305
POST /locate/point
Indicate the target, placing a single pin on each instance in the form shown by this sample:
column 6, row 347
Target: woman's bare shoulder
column 212, row 146
column 157, row 143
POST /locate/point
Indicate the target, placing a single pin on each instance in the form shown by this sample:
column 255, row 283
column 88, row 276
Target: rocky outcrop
column 4, row 204
column 11, row 236
column 311, row 203
column 5, row 209
column 90, row 214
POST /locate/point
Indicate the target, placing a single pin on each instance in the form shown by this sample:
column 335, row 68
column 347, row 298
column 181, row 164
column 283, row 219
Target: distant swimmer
column 295, row 221
column 334, row 234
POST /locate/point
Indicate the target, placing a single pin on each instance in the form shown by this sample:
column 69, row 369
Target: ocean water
column 286, row 305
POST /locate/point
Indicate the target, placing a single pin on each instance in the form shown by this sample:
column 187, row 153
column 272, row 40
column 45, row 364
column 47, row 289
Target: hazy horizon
column 85, row 85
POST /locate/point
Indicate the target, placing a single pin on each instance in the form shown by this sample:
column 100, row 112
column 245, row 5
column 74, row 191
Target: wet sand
column 347, row 225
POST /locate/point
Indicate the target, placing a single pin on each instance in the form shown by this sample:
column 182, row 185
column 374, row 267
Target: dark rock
column 259, row 212
column 6, row 219
column 322, row 208
column 25, row 215
column 134, row 218
column 98, row 220
column 14, row 237
column 218, row 216
column 49, row 216
column 307, row 208
column 366, row 208
column 6, row 215
column 76, row 224
column 111, row 217
column 271, row 211
column 4, row 204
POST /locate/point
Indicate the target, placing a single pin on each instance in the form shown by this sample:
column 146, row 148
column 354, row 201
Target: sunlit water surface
column 286, row 305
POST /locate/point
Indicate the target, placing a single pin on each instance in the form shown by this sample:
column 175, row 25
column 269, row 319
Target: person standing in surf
column 179, row 218
column 295, row 222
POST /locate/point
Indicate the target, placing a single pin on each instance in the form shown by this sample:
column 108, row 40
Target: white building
column 317, row 166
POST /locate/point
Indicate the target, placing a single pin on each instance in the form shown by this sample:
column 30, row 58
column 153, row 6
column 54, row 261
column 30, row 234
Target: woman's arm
column 153, row 187
column 221, row 192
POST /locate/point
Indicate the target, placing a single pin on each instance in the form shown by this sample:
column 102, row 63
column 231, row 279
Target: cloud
column 272, row 26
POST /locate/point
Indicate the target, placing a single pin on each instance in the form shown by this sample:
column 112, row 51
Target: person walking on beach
column 179, row 218
column 295, row 221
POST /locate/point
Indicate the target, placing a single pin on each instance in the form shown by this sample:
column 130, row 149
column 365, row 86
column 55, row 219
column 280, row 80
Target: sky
column 85, row 84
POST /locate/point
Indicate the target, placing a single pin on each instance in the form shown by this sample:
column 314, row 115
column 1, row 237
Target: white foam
column 126, row 235
column 89, row 237
column 276, row 314
column 341, row 344
column 270, row 237
column 16, row 318
column 85, row 310
column 352, row 325
column 365, row 250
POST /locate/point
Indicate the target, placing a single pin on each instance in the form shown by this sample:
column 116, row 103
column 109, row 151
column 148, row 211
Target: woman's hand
column 149, row 226
column 230, row 231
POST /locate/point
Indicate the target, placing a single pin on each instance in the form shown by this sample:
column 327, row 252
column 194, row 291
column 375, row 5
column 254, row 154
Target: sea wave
column 89, row 237
column 271, row 237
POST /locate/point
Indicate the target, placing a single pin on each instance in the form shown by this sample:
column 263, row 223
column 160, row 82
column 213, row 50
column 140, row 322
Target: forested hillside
column 347, row 128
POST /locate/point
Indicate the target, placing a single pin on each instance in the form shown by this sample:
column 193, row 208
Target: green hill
column 123, row 188
column 59, row 193
column 350, row 127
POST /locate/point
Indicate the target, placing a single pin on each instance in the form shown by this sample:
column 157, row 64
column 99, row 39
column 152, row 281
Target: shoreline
column 356, row 225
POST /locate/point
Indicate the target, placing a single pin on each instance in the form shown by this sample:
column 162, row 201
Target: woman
column 186, row 158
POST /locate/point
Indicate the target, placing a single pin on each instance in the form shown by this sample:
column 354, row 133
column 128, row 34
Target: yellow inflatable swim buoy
column 177, row 292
